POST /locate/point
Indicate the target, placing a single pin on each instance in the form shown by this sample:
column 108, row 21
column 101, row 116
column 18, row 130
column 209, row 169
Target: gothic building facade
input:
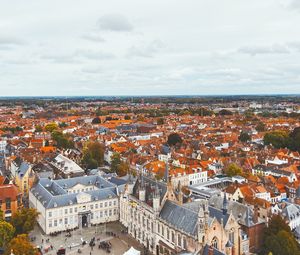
column 159, row 218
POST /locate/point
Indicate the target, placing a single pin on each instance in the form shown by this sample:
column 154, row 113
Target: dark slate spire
column 225, row 204
column 156, row 191
column 166, row 177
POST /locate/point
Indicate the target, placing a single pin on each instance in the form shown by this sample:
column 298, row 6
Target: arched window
column 179, row 240
column 231, row 236
column 184, row 243
column 173, row 237
column 214, row 243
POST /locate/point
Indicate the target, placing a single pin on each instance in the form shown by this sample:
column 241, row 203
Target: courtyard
column 112, row 233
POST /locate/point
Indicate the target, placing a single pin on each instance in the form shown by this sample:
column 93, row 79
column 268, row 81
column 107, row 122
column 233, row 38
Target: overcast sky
column 149, row 47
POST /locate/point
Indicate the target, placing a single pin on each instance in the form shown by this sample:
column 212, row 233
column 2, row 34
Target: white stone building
column 74, row 202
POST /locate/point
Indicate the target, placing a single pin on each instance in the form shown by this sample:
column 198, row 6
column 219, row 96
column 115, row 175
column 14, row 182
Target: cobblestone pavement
column 120, row 243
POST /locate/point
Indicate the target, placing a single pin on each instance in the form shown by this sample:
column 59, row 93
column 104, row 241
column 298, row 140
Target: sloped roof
column 180, row 217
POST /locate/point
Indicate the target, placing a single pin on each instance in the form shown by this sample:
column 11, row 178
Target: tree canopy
column 24, row 220
column 174, row 139
column 295, row 139
column 63, row 141
column 51, row 127
column 244, row 137
column 21, row 245
column 96, row 120
column 93, row 155
column 283, row 139
column 278, row 138
column 278, row 238
column 233, row 169
column 7, row 232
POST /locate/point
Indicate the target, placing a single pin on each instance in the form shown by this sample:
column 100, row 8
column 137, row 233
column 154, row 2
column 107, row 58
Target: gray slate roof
column 180, row 217
column 53, row 193
column 242, row 213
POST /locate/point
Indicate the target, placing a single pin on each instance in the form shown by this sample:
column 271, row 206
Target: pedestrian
column 90, row 253
column 42, row 240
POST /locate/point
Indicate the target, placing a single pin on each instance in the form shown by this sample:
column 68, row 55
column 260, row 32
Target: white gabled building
column 75, row 202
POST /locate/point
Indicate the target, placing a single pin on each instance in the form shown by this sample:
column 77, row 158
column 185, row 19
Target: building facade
column 156, row 215
column 75, row 202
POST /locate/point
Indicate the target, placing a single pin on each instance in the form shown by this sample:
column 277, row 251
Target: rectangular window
column 66, row 221
column 92, row 207
column 110, row 203
column 49, row 214
column 105, row 204
column 66, row 211
column 71, row 210
column 96, row 206
column 75, row 209
column 50, row 224
column 8, row 203
column 115, row 203
column 101, row 214
column 110, row 212
column 55, row 223
column 101, row 205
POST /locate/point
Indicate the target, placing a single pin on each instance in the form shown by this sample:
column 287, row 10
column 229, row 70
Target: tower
column 156, row 198
column 180, row 193
column 203, row 215
column 225, row 204
column 142, row 190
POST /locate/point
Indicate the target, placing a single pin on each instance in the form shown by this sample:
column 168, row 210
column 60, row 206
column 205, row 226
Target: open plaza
column 112, row 233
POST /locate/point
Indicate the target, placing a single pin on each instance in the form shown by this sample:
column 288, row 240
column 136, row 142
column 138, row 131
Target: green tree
column 63, row 141
column 38, row 128
column 6, row 233
column 260, row 127
column 159, row 175
column 233, row 169
column 174, row 139
column 96, row 120
column 225, row 112
column 278, row 138
column 244, row 137
column 278, row 238
column 122, row 169
column 294, row 136
column 160, row 121
column 24, row 220
column 62, row 124
column 93, row 155
column 276, row 224
column 20, row 245
column 51, row 127
column 115, row 162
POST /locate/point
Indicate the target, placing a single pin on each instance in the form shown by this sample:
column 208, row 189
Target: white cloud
column 149, row 47
column 272, row 49
column 114, row 22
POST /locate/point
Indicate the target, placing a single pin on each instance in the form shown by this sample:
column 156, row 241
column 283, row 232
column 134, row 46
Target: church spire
column 225, row 204
column 166, row 176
